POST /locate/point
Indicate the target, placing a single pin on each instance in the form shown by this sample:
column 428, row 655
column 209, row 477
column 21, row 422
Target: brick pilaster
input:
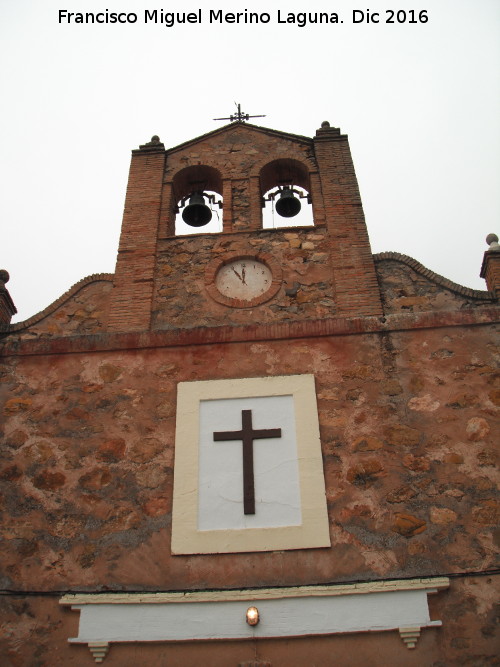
column 356, row 288
column 131, row 298
column 255, row 203
column 490, row 269
column 7, row 307
column 227, row 211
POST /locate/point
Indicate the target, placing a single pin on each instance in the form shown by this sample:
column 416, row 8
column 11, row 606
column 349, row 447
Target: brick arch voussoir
column 212, row 164
column 298, row 156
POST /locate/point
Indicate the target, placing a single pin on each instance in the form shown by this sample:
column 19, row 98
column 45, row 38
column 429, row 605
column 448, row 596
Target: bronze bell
column 197, row 213
column 287, row 205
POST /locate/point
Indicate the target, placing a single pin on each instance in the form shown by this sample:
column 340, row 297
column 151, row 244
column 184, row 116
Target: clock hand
column 236, row 272
column 243, row 275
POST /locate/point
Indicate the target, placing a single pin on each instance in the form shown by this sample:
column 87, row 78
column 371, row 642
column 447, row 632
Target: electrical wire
column 73, row 591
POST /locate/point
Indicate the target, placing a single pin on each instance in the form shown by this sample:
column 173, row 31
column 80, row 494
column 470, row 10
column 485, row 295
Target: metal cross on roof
column 240, row 117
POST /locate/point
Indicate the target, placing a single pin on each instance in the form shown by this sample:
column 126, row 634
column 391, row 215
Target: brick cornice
column 434, row 277
column 106, row 342
column 329, row 134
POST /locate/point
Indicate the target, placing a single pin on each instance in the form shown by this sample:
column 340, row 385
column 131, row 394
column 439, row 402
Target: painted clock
column 243, row 281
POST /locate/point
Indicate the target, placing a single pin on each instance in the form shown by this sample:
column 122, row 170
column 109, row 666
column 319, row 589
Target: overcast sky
column 419, row 101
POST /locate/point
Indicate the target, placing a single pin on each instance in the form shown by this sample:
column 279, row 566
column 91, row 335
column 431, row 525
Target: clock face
column 244, row 279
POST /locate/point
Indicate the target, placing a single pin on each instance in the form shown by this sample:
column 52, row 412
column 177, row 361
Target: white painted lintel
column 221, row 615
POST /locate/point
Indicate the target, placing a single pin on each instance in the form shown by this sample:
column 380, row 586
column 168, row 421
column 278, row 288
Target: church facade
column 257, row 446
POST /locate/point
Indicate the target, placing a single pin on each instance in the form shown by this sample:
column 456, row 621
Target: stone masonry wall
column 408, row 392
column 408, row 286
column 181, row 297
column 238, row 153
column 233, row 160
column 408, row 423
column 82, row 310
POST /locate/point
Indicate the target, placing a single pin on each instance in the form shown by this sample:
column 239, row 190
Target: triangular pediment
column 242, row 129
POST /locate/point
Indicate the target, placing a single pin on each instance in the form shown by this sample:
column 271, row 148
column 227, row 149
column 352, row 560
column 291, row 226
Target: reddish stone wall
column 181, row 299
column 408, row 396
column 408, row 422
column 181, row 296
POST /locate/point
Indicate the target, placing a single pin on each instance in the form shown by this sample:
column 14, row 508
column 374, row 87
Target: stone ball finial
column 325, row 124
column 154, row 144
column 4, row 276
column 492, row 241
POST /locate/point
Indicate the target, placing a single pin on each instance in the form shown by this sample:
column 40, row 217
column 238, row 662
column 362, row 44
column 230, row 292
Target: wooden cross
column 247, row 435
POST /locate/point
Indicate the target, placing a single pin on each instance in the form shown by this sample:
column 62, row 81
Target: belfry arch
column 286, row 177
column 203, row 181
column 284, row 171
